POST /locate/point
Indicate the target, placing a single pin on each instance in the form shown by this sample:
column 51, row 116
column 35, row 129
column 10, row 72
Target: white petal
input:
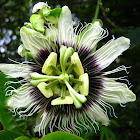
column 99, row 114
column 39, row 118
column 109, row 52
column 15, row 70
column 116, row 92
column 45, row 118
column 20, row 98
column 33, row 40
column 65, row 26
column 91, row 35
column 51, row 33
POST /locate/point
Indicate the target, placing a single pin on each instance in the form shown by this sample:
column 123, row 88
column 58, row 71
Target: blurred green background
column 120, row 17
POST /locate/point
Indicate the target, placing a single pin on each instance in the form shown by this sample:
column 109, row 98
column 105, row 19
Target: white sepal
column 99, row 114
column 15, row 70
column 20, row 98
column 65, row 26
column 116, row 92
column 33, row 40
column 110, row 51
column 91, row 35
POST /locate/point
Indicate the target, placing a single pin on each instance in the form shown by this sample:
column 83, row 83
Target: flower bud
column 39, row 6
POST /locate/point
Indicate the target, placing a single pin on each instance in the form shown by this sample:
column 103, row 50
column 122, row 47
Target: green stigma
column 66, row 78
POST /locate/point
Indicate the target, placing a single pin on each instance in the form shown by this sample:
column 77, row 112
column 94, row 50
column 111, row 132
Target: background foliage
column 120, row 17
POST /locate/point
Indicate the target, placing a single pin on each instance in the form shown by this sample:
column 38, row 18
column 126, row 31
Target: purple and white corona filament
column 62, row 78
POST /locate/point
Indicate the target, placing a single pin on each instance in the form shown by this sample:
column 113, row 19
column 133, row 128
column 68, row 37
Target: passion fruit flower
column 62, row 78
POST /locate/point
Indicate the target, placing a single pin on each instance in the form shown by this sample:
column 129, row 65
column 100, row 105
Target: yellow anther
column 60, row 101
column 84, row 87
column 46, row 92
column 77, row 64
column 51, row 60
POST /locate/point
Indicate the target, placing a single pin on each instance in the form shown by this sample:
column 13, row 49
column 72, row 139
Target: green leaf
column 106, row 133
column 10, row 123
column 114, row 122
column 8, row 135
column 22, row 138
column 60, row 136
column 25, row 138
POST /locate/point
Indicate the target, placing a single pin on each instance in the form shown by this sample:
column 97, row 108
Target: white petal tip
column 64, row 8
column 132, row 97
column 125, row 40
column 66, row 11
column 129, row 96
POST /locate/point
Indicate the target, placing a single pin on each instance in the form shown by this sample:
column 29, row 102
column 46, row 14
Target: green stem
column 97, row 9
column 56, row 70
column 63, row 90
column 77, row 81
column 51, row 84
column 70, row 68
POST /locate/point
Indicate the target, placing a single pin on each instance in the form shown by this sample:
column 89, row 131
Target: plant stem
column 97, row 9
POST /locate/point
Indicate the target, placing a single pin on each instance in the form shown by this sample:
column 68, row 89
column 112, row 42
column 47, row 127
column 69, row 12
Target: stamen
column 78, row 65
column 74, row 74
column 84, row 87
column 56, row 70
column 46, row 92
column 36, row 76
column 60, row 100
column 36, row 82
column 70, row 68
column 51, row 84
column 51, row 60
column 78, row 98
column 77, row 81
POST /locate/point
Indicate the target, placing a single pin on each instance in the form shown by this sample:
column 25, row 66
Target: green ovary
column 65, row 79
